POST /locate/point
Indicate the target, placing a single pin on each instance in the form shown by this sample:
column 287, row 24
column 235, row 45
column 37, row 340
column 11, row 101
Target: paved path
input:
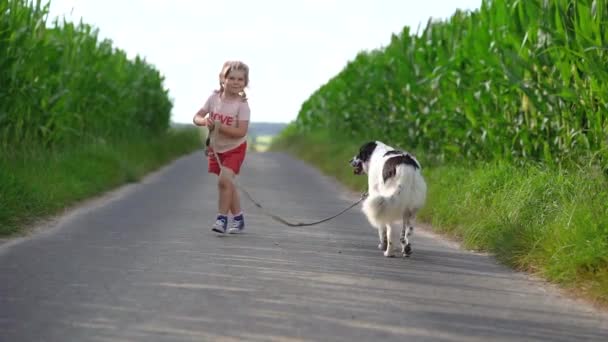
column 142, row 265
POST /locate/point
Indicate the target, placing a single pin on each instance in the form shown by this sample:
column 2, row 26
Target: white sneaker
column 237, row 226
column 220, row 225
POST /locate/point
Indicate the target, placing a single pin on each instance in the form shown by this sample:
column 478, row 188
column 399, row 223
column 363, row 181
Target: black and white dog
column 396, row 191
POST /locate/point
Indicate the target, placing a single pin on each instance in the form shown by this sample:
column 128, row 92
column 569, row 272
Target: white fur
column 396, row 201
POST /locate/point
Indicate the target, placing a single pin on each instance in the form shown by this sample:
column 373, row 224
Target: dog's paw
column 389, row 254
column 407, row 250
column 382, row 246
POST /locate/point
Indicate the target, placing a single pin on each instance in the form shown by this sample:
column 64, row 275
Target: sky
column 292, row 47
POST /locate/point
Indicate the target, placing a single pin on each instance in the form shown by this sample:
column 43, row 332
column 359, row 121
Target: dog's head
column 360, row 161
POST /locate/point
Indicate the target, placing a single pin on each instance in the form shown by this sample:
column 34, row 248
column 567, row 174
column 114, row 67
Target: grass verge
column 547, row 221
column 38, row 183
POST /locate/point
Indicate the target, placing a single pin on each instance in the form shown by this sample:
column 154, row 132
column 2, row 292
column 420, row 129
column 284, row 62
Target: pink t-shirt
column 227, row 112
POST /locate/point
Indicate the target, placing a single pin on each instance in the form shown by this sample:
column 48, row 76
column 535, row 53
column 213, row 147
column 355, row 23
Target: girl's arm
column 200, row 117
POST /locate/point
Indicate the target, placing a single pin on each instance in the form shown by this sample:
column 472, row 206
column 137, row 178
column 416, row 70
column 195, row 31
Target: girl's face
column 235, row 82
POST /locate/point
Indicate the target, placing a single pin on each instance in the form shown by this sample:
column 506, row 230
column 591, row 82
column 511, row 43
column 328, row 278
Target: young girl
column 226, row 115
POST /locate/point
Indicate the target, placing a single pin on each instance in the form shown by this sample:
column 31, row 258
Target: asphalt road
column 141, row 264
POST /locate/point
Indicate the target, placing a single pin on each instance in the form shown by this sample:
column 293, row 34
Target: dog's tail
column 409, row 194
column 379, row 206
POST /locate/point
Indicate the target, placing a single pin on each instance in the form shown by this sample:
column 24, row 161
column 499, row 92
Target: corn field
column 515, row 80
column 60, row 84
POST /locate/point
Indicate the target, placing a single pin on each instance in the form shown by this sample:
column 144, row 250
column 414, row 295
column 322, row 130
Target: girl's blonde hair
column 230, row 66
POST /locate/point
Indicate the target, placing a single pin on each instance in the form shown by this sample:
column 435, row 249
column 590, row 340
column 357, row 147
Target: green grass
column 39, row 183
column 545, row 220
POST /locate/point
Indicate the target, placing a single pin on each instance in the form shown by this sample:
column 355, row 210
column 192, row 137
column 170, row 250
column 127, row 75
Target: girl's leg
column 235, row 205
column 231, row 168
column 226, row 191
column 238, row 223
column 229, row 199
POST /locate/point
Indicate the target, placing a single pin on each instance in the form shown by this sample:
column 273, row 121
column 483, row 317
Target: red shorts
column 232, row 159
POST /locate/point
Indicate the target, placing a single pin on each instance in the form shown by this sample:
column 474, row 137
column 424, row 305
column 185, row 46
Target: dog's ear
column 366, row 151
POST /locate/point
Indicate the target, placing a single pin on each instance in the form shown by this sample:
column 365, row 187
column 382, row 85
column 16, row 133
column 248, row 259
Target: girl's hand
column 199, row 120
column 209, row 123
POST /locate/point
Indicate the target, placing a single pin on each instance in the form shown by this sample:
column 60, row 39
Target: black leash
column 275, row 217
column 299, row 224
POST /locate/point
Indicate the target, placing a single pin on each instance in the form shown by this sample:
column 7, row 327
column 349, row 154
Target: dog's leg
column 382, row 236
column 391, row 234
column 406, row 231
